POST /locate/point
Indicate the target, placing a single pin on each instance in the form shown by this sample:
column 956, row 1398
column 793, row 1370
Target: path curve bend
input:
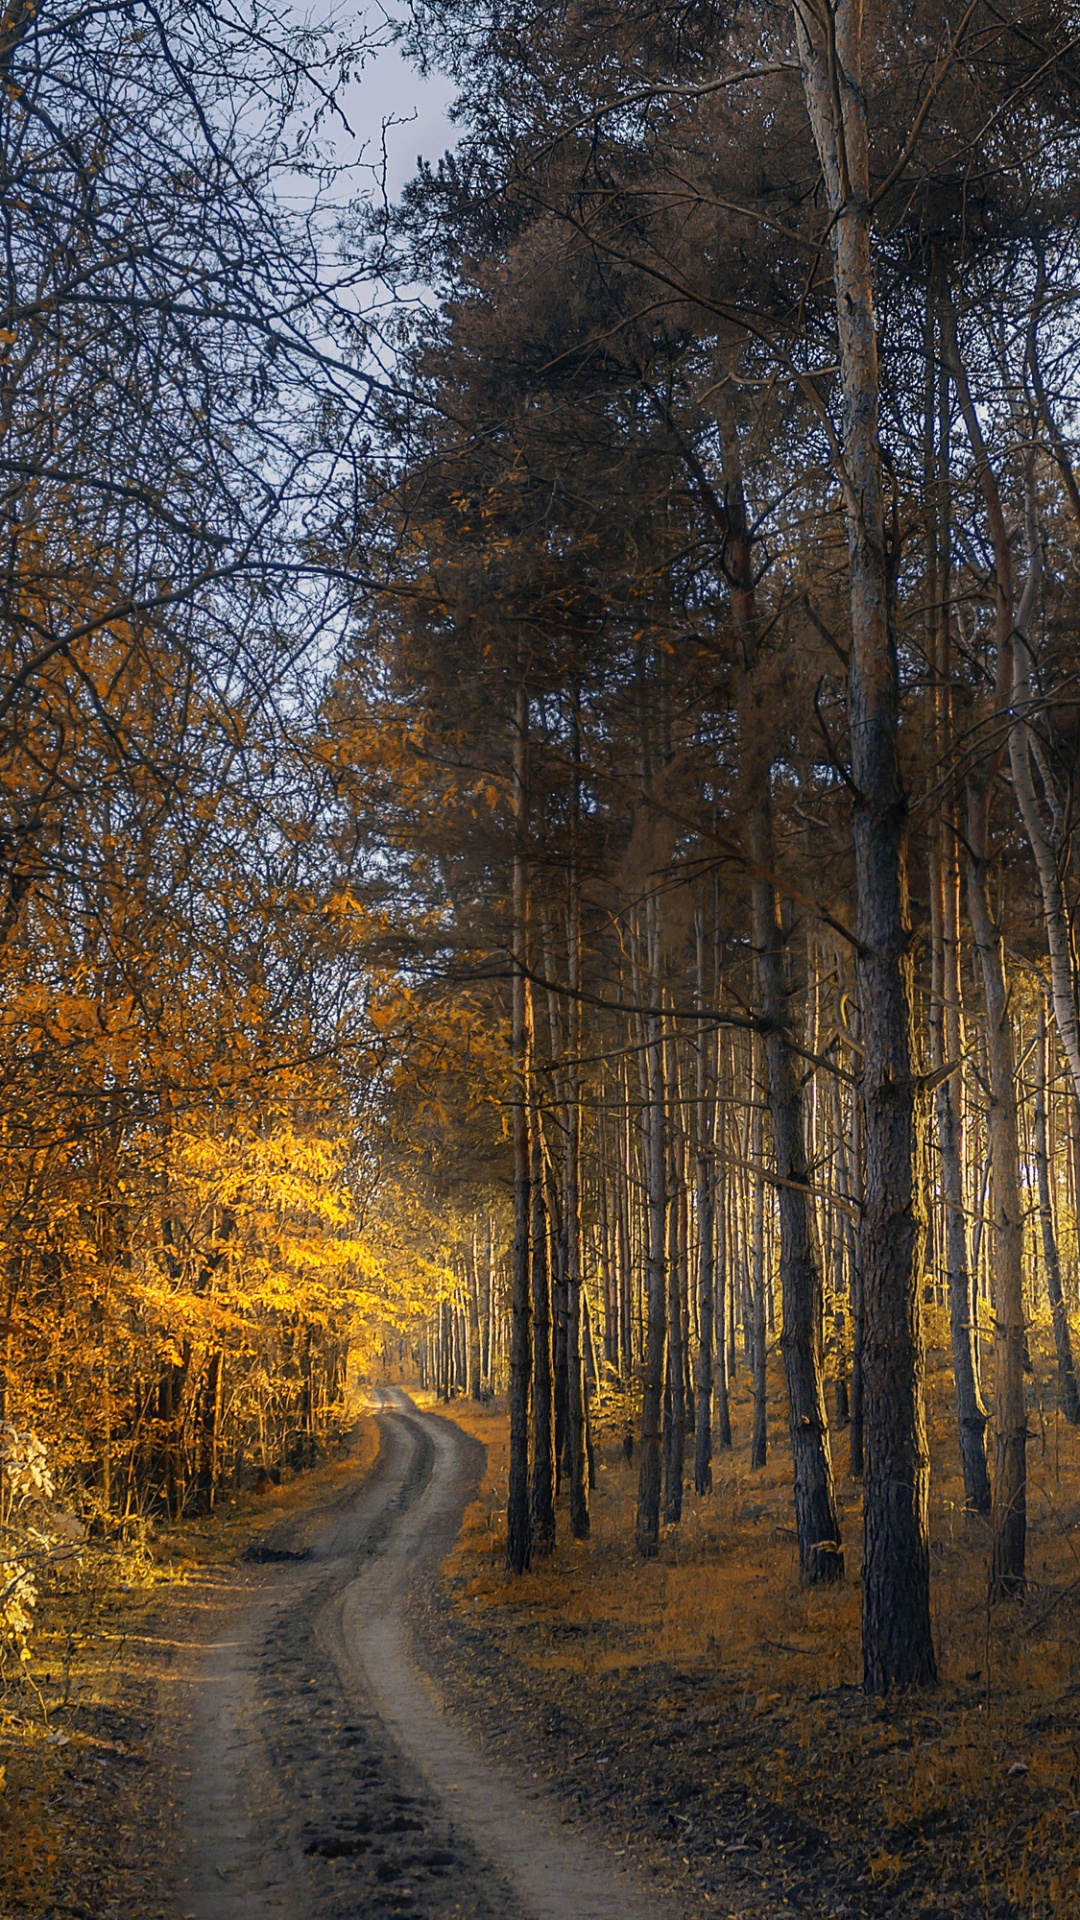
column 557, row 1872
column 327, row 1779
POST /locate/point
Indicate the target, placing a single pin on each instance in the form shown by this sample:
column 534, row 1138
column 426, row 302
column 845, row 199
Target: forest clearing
column 539, row 959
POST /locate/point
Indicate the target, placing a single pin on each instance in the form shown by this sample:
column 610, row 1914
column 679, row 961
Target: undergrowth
column 965, row 1799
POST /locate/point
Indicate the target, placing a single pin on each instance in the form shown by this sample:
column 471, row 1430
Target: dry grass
column 962, row 1801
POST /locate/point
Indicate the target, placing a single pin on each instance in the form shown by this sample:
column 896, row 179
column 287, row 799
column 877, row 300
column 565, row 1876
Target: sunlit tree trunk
column 759, row 1444
column 518, row 1530
column 656, row 1201
column 472, row 1302
column 542, row 1483
column 1068, row 1391
column 837, row 1158
column 705, row 1173
column 945, row 1053
column 1007, row 1568
column 723, row 1268
column 576, row 1412
column 675, row 1409
column 487, row 1307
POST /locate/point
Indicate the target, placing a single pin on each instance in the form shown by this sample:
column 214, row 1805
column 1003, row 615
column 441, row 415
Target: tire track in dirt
column 326, row 1780
column 556, row 1872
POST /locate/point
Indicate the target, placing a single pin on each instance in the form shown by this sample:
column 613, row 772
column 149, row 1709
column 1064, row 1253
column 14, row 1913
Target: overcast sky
column 390, row 88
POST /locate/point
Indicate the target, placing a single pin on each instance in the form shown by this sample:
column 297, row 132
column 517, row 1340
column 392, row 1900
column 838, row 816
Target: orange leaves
column 272, row 1215
column 383, row 1016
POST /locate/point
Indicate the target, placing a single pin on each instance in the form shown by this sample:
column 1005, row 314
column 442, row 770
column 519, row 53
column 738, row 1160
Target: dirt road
column 326, row 1781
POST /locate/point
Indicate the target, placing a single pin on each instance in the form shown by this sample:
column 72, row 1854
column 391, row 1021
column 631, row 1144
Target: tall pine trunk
column 542, row 1484
column 576, row 1410
column 705, row 1173
column 945, row 1051
column 1068, row 1392
column 655, row 1153
column 759, row 1445
column 1009, row 1503
column 472, row 1307
column 518, row 1529
column 675, row 1410
column 946, row 1044
column 898, row 1647
column 817, row 1522
column 1009, row 1508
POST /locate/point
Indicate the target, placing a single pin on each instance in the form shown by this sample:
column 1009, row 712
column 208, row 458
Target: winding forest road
column 326, row 1781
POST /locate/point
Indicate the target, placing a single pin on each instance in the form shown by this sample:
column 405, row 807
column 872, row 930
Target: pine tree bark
column 721, row 1268
column 518, row 1529
column 759, row 1446
column 705, row 1175
column 559, row 1228
column 675, row 1406
column 654, row 1130
column 898, row 1645
column 542, row 1482
column 622, row 1232
column 817, row 1522
column 576, row 1412
column 856, row 1432
column 1068, row 1390
column 1009, row 1506
column 840, row 1269
column 487, row 1306
column 1009, row 1502
column 946, row 1043
column 946, row 1049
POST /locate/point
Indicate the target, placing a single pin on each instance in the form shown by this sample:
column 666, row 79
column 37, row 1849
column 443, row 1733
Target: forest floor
column 701, row 1712
column 708, row 1710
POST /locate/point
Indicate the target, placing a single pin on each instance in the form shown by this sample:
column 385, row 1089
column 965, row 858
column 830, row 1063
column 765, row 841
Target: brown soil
column 550, row 1872
column 299, row 1801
